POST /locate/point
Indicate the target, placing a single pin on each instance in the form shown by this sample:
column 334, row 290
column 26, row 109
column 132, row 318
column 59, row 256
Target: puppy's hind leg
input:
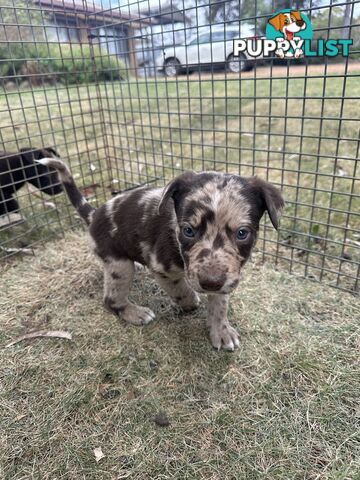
column 9, row 211
column 118, row 278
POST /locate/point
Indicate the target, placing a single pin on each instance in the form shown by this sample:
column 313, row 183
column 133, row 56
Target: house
column 79, row 22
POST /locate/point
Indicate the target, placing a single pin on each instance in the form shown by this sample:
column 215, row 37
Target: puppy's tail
column 83, row 207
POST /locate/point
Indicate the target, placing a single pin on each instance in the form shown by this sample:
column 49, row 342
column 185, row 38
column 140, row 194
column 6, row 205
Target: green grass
column 284, row 406
column 140, row 130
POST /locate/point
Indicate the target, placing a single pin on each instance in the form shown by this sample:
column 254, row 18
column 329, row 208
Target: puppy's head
column 288, row 23
column 218, row 219
column 41, row 176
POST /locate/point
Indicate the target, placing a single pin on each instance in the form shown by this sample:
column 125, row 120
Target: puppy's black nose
column 213, row 283
column 300, row 23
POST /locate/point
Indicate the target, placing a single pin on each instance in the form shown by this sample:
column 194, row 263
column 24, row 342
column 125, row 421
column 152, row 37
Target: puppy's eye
column 242, row 234
column 286, row 21
column 188, row 232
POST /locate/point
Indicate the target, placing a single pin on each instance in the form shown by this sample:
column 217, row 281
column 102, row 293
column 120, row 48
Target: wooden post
column 132, row 55
column 83, row 31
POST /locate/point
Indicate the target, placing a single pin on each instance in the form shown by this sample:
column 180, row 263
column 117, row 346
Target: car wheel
column 238, row 64
column 171, row 67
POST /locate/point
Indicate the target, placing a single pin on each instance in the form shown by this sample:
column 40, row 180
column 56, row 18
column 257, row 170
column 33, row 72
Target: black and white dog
column 194, row 235
column 18, row 168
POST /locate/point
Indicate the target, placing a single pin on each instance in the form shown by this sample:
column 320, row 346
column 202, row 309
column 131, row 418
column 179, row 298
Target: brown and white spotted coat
column 194, row 235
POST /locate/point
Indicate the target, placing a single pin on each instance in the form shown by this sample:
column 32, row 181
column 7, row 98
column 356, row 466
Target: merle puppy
column 194, row 235
column 18, row 168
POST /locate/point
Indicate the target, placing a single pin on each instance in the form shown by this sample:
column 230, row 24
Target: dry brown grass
column 284, row 406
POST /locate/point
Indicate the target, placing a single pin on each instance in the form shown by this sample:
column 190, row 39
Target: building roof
column 165, row 15
column 80, row 9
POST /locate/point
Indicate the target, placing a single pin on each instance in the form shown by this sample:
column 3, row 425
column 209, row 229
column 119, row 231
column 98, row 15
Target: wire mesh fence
column 136, row 93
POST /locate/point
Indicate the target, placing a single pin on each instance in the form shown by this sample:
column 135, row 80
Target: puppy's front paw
column 138, row 315
column 224, row 336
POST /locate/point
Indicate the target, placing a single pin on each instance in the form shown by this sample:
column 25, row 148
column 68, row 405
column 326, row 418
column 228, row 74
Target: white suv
column 207, row 50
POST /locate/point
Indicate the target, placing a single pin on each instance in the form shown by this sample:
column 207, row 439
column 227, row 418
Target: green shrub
column 11, row 59
column 60, row 63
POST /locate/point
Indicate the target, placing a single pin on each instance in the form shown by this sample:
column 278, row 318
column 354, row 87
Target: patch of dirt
column 264, row 71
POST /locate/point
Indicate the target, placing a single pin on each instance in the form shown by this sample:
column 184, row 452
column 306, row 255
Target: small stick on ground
column 41, row 333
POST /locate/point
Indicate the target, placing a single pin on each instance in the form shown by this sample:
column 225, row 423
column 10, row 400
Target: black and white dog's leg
column 222, row 334
column 9, row 211
column 182, row 294
column 8, row 204
column 118, row 278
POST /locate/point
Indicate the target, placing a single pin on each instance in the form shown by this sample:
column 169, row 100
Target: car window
column 218, row 37
column 231, row 35
column 215, row 37
column 201, row 39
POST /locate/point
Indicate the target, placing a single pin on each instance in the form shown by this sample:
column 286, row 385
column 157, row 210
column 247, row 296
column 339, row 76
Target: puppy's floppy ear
column 176, row 189
column 277, row 22
column 272, row 198
column 296, row 14
column 47, row 151
column 29, row 153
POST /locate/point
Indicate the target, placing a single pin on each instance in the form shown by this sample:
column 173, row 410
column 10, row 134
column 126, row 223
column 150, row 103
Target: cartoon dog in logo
column 288, row 24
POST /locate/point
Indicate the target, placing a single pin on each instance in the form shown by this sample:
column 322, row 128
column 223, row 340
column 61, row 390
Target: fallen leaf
column 41, row 333
column 98, row 454
column 130, row 394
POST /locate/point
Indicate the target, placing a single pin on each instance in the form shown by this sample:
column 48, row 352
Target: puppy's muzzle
column 212, row 282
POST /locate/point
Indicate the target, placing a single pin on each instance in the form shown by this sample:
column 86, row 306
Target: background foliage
column 25, row 54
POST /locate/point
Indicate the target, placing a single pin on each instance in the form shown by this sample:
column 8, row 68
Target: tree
column 20, row 22
column 337, row 17
column 297, row 4
column 252, row 13
column 229, row 11
column 347, row 19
